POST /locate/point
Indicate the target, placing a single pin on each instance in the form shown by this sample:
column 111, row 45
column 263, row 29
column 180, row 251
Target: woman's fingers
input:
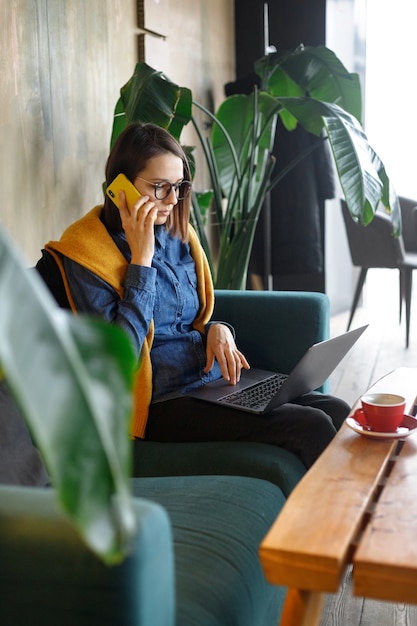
column 139, row 229
column 222, row 346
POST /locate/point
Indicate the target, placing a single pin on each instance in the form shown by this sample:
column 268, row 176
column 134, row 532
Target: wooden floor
column 344, row 609
column 382, row 346
column 380, row 350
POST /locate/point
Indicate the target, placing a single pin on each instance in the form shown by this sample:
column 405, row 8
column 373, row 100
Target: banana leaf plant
column 307, row 86
column 71, row 377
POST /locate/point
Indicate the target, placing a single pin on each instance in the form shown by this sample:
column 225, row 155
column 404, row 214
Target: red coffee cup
column 381, row 412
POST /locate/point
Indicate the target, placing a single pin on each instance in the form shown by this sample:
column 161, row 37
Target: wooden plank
column 302, row 608
column 381, row 349
column 385, row 565
column 309, row 544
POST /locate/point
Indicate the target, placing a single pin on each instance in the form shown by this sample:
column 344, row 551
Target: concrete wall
column 62, row 65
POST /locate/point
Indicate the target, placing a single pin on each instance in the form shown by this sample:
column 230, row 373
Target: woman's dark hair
column 132, row 150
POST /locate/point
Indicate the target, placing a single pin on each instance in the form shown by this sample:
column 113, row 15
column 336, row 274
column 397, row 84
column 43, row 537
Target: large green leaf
column 72, row 378
column 119, row 121
column 237, row 238
column 284, row 86
column 308, row 85
column 240, row 159
column 149, row 96
column 320, row 74
column 250, row 123
column 360, row 170
column 361, row 173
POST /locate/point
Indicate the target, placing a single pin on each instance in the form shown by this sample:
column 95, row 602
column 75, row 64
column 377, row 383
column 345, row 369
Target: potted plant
column 307, row 86
column 72, row 378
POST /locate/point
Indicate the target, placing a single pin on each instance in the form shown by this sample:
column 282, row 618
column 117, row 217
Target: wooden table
column 357, row 504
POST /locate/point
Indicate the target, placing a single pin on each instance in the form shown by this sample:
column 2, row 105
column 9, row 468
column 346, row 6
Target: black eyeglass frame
column 176, row 186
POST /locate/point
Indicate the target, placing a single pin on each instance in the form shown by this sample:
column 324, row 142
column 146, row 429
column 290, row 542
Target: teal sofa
column 273, row 329
column 202, row 510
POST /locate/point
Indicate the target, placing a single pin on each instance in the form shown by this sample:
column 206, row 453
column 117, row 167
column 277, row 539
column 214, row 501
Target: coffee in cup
column 381, row 412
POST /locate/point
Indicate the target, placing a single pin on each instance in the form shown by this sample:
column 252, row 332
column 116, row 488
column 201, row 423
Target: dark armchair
column 375, row 246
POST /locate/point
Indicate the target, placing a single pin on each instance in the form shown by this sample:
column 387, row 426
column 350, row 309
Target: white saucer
column 408, row 427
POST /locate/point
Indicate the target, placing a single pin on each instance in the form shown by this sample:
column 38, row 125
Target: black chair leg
column 408, row 285
column 402, row 292
column 358, row 291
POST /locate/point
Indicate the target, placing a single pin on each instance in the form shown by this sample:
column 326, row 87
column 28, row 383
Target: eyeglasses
column 164, row 188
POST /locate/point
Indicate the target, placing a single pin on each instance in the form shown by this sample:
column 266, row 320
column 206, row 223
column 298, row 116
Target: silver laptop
column 260, row 391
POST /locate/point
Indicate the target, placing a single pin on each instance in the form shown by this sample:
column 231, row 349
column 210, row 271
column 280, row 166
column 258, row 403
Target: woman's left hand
column 221, row 345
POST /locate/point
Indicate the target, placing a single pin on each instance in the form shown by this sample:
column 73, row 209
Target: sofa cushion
column 218, row 523
column 236, row 458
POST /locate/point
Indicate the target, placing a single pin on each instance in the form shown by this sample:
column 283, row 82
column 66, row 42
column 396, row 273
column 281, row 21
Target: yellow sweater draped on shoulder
column 88, row 243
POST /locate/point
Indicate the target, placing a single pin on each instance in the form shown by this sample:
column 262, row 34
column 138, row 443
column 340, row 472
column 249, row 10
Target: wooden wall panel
column 62, row 63
column 195, row 49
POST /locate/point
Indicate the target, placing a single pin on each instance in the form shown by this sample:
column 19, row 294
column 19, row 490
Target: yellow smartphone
column 122, row 183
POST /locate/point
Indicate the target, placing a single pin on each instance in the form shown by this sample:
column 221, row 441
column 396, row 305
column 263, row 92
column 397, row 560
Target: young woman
column 144, row 269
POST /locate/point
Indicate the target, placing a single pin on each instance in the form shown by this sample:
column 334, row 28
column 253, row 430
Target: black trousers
column 305, row 426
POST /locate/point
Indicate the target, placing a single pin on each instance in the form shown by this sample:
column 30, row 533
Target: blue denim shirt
column 166, row 293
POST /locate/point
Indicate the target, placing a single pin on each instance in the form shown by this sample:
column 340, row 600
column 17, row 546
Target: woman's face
column 155, row 181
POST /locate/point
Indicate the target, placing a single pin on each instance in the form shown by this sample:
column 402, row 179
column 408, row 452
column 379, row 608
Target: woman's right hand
column 139, row 228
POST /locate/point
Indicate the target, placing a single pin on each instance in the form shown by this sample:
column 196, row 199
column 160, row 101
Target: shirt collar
column 161, row 235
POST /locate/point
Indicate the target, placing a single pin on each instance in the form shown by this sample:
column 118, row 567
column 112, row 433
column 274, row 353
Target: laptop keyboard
column 256, row 396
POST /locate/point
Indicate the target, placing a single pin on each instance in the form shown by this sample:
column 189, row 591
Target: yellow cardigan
column 88, row 243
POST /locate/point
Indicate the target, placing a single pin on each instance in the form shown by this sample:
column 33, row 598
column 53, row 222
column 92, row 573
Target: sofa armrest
column 231, row 458
column 49, row 576
column 275, row 328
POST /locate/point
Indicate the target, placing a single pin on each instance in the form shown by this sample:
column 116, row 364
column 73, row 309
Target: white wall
column 391, row 89
column 344, row 21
